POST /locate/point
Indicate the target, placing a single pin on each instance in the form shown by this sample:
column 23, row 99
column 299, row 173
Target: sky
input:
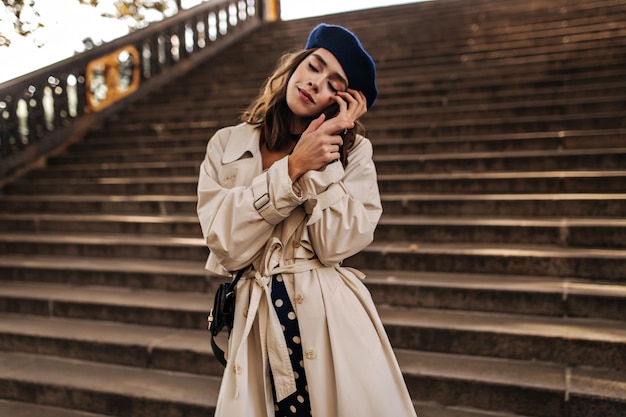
column 62, row 34
column 297, row 9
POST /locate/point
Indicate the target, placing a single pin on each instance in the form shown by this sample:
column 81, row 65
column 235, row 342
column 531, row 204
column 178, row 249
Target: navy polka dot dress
column 297, row 404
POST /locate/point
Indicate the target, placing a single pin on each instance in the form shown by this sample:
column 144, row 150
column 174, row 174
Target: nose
column 314, row 84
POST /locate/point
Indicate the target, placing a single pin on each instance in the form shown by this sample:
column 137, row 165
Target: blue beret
column 355, row 61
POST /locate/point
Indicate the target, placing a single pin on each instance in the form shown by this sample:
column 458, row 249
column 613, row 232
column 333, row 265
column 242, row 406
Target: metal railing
column 59, row 103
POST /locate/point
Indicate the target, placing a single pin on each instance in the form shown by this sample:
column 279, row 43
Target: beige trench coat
column 303, row 231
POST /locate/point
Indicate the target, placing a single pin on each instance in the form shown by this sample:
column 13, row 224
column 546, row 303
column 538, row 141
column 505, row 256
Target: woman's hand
column 317, row 147
column 320, row 142
column 352, row 105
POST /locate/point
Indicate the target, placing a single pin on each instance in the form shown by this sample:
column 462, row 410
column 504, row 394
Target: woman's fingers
column 352, row 105
column 315, row 124
column 318, row 146
column 357, row 106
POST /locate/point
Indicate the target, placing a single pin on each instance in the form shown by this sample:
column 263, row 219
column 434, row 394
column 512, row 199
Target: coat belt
column 273, row 344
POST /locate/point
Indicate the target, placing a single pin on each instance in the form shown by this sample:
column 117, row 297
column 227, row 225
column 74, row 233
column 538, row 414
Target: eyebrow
column 334, row 74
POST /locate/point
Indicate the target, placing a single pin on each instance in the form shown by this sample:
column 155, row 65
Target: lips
column 306, row 96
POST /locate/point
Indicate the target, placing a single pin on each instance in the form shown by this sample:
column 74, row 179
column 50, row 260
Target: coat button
column 299, row 298
column 245, row 312
column 310, row 354
column 237, row 369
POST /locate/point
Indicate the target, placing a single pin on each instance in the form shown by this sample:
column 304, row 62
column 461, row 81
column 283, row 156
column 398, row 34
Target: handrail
column 56, row 104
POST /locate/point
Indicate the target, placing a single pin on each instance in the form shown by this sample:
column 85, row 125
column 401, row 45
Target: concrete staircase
column 499, row 266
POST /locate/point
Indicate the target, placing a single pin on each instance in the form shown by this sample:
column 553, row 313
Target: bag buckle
column 210, row 320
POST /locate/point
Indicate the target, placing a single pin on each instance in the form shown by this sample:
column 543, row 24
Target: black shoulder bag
column 223, row 313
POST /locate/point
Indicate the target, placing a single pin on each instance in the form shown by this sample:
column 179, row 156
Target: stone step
column 539, row 160
column 105, row 389
column 459, row 79
column 493, row 258
column 582, row 181
column 118, row 173
column 531, row 141
column 427, row 409
column 554, row 140
column 483, row 180
column 523, row 141
column 509, row 294
column 574, row 232
column 458, row 72
column 522, row 21
column 175, row 344
column 151, row 274
column 106, row 245
column 195, row 153
column 523, row 109
column 143, row 393
column 481, row 83
column 169, row 128
column 426, row 128
column 572, row 342
column 569, row 232
column 470, row 50
column 499, row 205
column 118, row 204
column 492, row 205
column 101, row 140
column 179, row 310
column 133, row 185
column 449, row 372
column 22, row 409
column 445, row 98
column 527, row 106
column 410, row 126
column 437, row 97
column 433, row 108
column 542, row 57
column 509, row 161
column 173, row 225
column 140, row 346
column 564, row 31
column 513, row 39
column 529, row 388
column 448, row 11
column 177, row 106
column 540, row 295
column 602, row 265
column 570, row 31
column 118, row 169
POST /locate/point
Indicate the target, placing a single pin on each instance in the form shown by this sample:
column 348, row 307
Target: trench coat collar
column 247, row 142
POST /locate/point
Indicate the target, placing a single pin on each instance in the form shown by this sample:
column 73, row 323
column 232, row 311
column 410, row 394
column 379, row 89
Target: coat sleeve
column 344, row 205
column 237, row 222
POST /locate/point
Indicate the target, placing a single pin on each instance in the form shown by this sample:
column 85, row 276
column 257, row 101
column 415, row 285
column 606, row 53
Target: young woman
column 289, row 194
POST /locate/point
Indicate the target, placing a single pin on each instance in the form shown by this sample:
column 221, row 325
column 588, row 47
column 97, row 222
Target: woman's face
column 314, row 84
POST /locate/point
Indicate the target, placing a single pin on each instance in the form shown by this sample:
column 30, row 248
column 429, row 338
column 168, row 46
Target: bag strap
column 233, row 284
column 217, row 351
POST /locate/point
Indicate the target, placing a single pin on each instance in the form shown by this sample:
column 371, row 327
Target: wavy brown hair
column 271, row 114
